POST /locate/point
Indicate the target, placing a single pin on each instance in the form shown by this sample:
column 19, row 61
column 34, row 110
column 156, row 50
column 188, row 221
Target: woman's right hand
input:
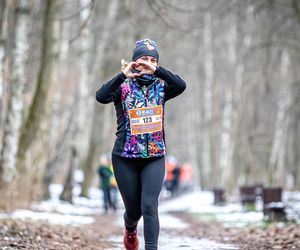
column 127, row 71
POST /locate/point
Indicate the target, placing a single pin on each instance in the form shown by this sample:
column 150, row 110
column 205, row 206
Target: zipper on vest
column 145, row 92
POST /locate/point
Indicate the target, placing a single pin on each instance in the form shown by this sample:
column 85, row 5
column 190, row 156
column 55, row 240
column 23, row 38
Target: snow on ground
column 80, row 206
column 167, row 242
column 59, row 212
column 55, row 211
column 293, row 205
column 53, row 218
column 201, row 203
column 198, row 202
column 81, row 212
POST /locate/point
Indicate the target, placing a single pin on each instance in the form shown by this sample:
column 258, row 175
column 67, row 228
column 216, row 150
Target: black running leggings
column 140, row 182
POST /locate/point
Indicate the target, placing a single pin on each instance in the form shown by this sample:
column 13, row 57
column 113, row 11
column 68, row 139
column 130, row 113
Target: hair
column 124, row 64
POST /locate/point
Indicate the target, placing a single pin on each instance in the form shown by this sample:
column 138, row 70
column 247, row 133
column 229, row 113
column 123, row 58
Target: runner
column 139, row 93
column 105, row 175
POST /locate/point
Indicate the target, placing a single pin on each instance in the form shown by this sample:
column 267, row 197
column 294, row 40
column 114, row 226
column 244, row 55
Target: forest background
column 237, row 123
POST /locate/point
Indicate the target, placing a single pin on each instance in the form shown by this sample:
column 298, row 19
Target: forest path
column 105, row 233
column 175, row 233
column 182, row 227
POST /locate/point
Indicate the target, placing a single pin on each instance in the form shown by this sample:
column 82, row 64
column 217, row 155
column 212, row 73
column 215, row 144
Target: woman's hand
column 146, row 68
column 143, row 67
column 127, row 71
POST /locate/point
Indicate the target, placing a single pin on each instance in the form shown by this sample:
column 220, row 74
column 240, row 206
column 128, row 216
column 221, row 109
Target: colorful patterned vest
column 143, row 109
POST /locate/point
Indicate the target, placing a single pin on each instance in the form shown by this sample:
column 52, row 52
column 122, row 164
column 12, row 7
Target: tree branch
column 70, row 17
column 84, row 24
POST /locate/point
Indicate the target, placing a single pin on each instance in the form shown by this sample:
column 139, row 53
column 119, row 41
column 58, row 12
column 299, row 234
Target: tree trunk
column 56, row 161
column 61, row 141
column 47, row 81
column 192, row 118
column 66, row 195
column 206, row 165
column 2, row 54
column 277, row 155
column 88, row 166
column 14, row 114
column 34, row 145
column 84, row 107
column 226, row 153
column 7, row 51
column 295, row 138
column 89, row 171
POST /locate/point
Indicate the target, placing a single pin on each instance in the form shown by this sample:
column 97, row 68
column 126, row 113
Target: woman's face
column 148, row 59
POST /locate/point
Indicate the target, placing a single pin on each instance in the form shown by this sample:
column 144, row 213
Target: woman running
column 139, row 94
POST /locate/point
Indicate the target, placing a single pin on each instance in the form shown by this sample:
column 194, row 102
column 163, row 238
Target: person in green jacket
column 105, row 174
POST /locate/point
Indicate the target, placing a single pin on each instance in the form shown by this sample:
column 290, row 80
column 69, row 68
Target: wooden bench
column 219, row 198
column 273, row 207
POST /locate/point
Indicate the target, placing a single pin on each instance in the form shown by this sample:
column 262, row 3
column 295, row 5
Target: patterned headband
column 145, row 42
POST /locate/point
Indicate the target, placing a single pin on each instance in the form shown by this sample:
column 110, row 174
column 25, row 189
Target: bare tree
column 2, row 54
column 112, row 11
column 14, row 114
column 34, row 136
column 277, row 156
column 207, row 100
column 67, row 193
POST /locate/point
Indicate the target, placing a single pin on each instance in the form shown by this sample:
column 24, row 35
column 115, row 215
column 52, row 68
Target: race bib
column 146, row 120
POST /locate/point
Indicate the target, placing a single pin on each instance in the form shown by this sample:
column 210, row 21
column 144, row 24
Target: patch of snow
column 64, row 208
column 52, row 218
column 202, row 203
column 78, row 176
column 197, row 202
column 241, row 219
column 3, row 216
column 55, row 211
column 186, row 202
column 167, row 242
column 168, row 221
column 182, row 242
column 80, row 206
column 55, row 191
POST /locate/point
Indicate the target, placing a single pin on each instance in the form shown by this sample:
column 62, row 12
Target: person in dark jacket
column 175, row 181
column 105, row 175
column 139, row 94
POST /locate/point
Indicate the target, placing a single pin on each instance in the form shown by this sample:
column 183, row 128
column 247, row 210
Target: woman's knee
column 149, row 207
column 133, row 214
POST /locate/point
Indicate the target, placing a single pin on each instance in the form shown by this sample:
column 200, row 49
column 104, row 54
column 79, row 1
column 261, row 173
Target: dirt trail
column 107, row 231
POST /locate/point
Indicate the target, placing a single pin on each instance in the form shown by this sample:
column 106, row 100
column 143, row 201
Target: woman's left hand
column 147, row 68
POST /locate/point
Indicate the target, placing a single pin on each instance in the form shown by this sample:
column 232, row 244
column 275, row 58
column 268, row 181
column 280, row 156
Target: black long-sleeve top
column 110, row 92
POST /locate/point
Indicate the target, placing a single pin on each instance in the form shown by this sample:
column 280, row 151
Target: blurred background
column 237, row 123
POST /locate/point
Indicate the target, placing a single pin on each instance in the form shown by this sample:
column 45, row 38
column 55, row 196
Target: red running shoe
column 131, row 241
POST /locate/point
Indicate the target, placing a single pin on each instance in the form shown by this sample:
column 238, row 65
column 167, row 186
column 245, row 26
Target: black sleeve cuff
column 122, row 76
column 157, row 71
